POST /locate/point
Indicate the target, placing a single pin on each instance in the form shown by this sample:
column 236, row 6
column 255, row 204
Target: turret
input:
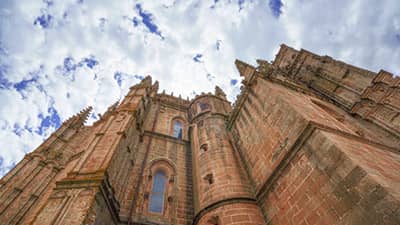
column 220, row 183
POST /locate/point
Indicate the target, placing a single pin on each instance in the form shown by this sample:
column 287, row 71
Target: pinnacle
column 156, row 84
column 80, row 118
column 219, row 92
column 85, row 112
column 261, row 62
column 146, row 79
column 241, row 66
column 83, row 115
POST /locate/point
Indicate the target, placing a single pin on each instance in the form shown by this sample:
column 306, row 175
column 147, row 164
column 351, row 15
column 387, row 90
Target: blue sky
column 58, row 57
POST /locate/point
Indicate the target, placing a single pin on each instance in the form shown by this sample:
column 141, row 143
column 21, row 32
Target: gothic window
column 178, row 129
column 160, row 189
column 204, row 106
column 157, row 193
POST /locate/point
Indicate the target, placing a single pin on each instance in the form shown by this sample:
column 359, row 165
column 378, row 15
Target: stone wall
column 333, row 179
column 165, row 151
column 310, row 140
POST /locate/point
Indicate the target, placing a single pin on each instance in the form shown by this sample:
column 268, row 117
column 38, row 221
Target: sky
column 58, row 57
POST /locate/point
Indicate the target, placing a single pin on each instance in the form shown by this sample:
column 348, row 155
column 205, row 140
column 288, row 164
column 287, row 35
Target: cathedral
column 310, row 140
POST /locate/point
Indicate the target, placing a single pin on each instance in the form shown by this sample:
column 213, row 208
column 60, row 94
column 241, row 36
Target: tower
column 309, row 140
column 221, row 185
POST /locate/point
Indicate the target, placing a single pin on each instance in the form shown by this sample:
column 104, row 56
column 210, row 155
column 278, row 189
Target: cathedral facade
column 310, row 140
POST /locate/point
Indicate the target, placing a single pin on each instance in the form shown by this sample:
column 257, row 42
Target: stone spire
column 68, row 127
column 79, row 119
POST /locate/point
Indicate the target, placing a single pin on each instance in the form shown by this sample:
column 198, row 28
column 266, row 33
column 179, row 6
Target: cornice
column 173, row 105
column 164, row 136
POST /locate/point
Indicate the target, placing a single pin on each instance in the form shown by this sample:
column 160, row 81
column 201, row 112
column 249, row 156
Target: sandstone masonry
column 310, row 140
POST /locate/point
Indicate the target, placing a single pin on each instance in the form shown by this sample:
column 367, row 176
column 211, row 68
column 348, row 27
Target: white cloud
column 364, row 33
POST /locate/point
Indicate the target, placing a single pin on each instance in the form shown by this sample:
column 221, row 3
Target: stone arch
column 52, row 162
column 37, row 155
column 164, row 164
column 179, row 117
column 168, row 169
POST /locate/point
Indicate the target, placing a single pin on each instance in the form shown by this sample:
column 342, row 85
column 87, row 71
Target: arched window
column 160, row 190
column 157, row 193
column 178, row 129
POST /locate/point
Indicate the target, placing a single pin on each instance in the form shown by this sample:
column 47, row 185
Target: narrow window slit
column 209, row 178
column 204, row 147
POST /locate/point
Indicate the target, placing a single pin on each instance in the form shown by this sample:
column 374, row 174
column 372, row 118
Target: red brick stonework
column 310, row 140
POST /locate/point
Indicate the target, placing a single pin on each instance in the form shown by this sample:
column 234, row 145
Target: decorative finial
column 155, row 85
column 219, row 92
column 79, row 119
column 146, row 79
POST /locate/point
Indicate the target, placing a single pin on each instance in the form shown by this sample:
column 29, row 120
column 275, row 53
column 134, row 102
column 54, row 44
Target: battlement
column 206, row 95
column 173, row 100
column 291, row 61
column 387, row 78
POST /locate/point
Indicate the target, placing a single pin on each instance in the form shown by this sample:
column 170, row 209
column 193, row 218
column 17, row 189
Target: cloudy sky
column 57, row 57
